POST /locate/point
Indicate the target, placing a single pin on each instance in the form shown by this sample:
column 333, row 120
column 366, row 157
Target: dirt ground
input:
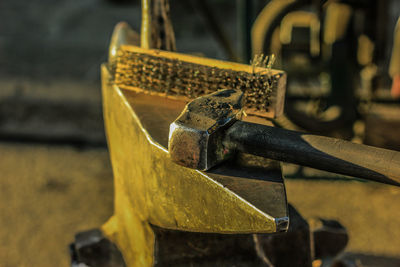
column 47, row 195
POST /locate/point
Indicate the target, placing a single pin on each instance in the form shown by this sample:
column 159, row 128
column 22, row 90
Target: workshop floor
column 48, row 193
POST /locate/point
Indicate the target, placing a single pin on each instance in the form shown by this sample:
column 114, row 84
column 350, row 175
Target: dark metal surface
column 303, row 242
column 329, row 238
column 92, row 249
column 177, row 248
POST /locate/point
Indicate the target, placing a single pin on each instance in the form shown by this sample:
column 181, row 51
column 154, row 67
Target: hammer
column 209, row 131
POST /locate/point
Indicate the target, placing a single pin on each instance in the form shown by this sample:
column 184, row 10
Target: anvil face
column 244, row 196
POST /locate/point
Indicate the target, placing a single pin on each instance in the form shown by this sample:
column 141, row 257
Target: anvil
column 243, row 196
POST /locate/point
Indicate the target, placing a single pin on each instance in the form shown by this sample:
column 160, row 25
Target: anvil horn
column 123, row 34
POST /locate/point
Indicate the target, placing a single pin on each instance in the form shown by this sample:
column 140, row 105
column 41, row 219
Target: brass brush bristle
column 177, row 75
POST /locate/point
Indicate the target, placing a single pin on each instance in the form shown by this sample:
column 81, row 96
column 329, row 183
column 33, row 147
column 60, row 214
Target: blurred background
column 55, row 174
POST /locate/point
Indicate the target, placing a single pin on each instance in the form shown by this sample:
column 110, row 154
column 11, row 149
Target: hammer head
column 195, row 137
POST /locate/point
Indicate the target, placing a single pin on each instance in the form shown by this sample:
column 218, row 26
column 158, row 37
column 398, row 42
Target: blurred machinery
column 336, row 54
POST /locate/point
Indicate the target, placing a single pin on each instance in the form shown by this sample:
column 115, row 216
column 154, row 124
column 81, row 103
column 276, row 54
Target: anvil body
column 244, row 196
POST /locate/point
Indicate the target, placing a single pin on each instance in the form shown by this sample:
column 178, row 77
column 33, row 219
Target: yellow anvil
column 244, row 196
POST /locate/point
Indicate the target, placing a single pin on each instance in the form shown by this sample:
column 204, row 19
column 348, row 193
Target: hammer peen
column 209, row 131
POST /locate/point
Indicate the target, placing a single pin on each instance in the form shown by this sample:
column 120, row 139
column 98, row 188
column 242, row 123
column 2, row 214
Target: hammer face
column 195, row 138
